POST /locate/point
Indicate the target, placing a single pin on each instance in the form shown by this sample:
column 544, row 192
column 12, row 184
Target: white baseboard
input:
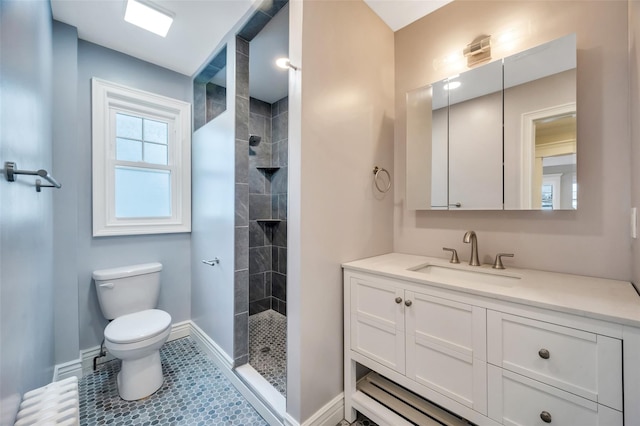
column 84, row 363
column 219, row 356
column 329, row 415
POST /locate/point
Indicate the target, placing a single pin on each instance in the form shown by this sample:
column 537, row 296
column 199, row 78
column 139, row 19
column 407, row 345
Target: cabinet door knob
column 545, row 416
column 544, row 354
column 398, row 299
column 407, row 302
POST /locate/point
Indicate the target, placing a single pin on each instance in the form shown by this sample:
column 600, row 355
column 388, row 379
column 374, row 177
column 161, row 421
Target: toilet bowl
column 136, row 339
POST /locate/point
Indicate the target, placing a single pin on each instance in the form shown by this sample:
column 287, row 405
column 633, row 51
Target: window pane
column 128, row 126
column 155, row 131
column 142, row 193
column 128, row 150
column 154, row 153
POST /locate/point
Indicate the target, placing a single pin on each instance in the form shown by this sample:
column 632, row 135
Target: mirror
column 540, row 127
column 499, row 136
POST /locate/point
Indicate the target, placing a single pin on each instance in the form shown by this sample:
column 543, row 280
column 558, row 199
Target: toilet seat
column 138, row 326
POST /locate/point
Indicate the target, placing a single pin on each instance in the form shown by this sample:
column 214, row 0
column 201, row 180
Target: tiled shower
column 268, row 206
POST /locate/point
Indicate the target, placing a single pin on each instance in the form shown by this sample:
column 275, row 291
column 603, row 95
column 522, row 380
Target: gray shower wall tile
column 260, row 306
column 274, row 258
column 279, row 181
column 199, row 104
column 241, row 248
column 282, row 105
column 242, row 204
column 260, row 107
column 257, row 124
column 257, row 234
column 280, row 153
column 282, row 206
column 268, row 282
column 257, row 289
column 259, row 259
column 279, row 129
column 242, row 75
column 282, row 307
column 279, row 286
column 257, row 181
column 260, row 155
column 240, row 335
column 280, row 234
column 259, row 206
column 241, row 292
column 242, row 46
column 242, row 161
column 282, row 260
column 242, row 118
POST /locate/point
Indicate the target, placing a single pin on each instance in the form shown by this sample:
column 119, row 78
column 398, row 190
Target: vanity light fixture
column 284, row 63
column 478, row 51
column 149, row 16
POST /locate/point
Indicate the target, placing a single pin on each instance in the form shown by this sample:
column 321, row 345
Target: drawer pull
column 545, row 416
column 407, row 302
column 398, row 299
column 544, row 354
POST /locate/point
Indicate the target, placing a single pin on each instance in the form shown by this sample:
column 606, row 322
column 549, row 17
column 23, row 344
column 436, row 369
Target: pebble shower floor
column 195, row 392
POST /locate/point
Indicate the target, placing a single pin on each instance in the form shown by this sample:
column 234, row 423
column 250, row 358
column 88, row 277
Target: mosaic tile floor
column 268, row 329
column 195, row 392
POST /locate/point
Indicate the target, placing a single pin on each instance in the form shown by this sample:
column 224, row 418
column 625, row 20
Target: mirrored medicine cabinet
column 498, row 136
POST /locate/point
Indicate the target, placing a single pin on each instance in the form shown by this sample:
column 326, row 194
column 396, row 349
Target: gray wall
column 65, row 272
column 172, row 250
column 26, row 236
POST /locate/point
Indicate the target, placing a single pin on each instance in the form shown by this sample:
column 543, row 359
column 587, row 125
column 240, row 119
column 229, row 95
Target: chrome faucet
column 470, row 237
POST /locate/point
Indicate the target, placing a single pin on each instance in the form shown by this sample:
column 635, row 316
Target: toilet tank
column 128, row 289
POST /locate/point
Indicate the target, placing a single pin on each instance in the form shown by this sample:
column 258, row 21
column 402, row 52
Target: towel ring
column 376, row 172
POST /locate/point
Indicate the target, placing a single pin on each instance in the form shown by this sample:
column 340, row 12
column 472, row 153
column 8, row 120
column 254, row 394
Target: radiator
column 53, row 404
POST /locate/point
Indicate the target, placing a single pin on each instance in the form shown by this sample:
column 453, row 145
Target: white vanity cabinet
column 488, row 358
column 435, row 343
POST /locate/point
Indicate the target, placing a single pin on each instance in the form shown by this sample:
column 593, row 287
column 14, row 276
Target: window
column 141, row 162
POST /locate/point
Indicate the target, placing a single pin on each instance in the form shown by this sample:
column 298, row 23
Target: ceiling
column 398, row 14
column 198, row 27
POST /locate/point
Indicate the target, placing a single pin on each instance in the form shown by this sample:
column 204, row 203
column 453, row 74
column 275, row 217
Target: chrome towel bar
column 11, row 170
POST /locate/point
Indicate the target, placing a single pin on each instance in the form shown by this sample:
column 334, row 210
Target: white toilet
column 127, row 295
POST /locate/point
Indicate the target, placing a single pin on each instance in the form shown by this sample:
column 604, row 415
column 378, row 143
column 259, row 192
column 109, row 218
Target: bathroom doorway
column 267, row 158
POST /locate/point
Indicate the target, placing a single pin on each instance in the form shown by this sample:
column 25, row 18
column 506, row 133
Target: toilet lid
column 137, row 326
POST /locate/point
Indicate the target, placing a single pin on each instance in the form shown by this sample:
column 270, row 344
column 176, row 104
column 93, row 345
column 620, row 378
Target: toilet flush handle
column 106, row 285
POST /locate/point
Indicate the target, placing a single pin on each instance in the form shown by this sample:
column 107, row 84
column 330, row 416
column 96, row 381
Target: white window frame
column 108, row 99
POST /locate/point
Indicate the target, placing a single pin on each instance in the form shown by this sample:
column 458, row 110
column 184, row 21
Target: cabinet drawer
column 585, row 364
column 518, row 400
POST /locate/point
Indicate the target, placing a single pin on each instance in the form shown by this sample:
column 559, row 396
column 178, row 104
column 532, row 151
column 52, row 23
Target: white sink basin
column 439, row 273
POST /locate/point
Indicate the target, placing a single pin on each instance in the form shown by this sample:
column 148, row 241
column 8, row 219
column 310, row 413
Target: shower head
column 254, row 140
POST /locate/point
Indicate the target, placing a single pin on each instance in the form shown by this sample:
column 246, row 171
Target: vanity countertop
column 597, row 298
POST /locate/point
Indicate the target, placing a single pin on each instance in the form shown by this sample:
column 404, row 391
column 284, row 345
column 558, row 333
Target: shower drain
column 265, row 349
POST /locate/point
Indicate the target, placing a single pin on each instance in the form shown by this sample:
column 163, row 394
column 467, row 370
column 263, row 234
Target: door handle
column 212, row 262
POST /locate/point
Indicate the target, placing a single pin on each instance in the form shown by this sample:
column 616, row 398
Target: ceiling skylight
column 148, row 16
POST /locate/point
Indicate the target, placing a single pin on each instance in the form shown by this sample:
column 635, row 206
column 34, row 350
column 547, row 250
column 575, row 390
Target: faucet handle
column 454, row 255
column 498, row 263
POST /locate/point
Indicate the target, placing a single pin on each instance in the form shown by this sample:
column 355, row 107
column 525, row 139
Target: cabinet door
column 518, row 400
column 446, row 348
column 377, row 322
